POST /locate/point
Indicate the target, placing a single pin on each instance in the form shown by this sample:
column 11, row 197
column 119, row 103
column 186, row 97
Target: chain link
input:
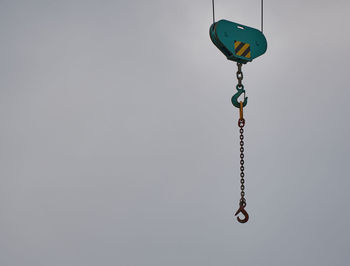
column 239, row 75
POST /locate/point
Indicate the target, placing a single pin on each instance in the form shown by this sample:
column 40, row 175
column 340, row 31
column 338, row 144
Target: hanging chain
column 241, row 123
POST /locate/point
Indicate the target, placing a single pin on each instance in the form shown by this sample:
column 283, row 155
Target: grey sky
column 119, row 144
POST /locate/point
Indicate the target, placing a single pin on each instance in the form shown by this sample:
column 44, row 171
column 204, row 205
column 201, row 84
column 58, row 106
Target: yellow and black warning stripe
column 242, row 49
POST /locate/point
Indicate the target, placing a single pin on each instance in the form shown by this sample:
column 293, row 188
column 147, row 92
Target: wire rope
column 261, row 14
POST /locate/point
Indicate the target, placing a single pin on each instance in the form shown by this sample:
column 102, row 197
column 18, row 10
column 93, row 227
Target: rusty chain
column 241, row 124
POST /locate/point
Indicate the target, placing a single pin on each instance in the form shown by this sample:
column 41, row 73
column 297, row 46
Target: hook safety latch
column 244, row 212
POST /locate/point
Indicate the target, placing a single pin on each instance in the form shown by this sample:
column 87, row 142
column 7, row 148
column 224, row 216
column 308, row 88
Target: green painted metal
column 225, row 33
column 235, row 97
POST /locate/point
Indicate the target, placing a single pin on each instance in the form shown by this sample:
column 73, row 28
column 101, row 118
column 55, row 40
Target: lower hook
column 244, row 212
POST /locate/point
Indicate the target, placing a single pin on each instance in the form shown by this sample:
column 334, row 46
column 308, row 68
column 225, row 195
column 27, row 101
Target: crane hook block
column 237, row 42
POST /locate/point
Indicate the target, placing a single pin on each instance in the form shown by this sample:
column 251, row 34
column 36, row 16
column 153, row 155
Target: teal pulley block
column 238, row 42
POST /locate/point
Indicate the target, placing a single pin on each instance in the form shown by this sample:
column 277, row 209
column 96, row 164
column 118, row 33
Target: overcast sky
column 119, row 145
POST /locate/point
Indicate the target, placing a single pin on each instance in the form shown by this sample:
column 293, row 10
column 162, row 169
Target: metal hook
column 244, row 212
column 234, row 99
